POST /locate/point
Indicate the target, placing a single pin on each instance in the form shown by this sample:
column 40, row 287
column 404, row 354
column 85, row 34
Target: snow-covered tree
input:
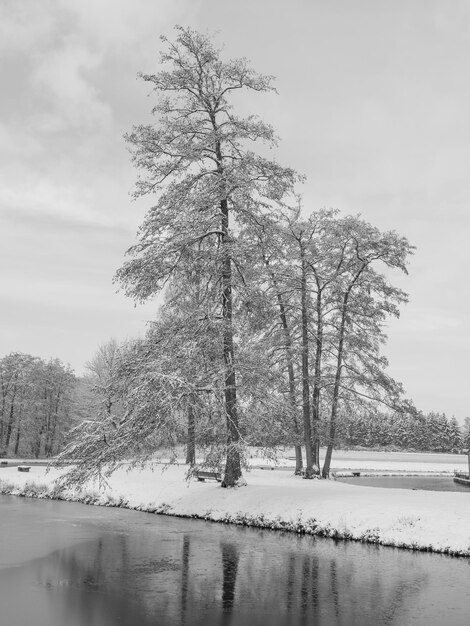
column 364, row 299
column 466, row 433
column 36, row 405
column 101, row 369
column 455, row 435
column 323, row 299
column 209, row 184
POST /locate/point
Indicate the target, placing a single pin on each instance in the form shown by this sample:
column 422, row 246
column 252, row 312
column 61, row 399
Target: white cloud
column 418, row 320
column 42, row 197
column 24, row 25
column 373, row 110
column 16, row 142
column 117, row 24
column 73, row 100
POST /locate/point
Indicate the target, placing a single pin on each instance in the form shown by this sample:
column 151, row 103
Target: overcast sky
column 373, row 107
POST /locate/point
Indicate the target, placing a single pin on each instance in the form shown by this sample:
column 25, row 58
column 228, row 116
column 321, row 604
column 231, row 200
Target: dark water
column 426, row 483
column 64, row 564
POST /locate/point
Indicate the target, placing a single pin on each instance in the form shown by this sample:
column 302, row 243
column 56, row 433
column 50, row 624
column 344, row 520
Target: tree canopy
column 274, row 316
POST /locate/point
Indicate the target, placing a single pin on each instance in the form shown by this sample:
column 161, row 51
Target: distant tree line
column 37, row 402
column 431, row 432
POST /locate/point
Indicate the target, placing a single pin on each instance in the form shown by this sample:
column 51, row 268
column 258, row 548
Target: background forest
column 43, row 401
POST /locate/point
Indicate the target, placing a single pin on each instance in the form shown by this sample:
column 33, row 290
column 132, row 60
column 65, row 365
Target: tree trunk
column 309, row 471
column 51, row 436
column 37, row 446
column 335, row 399
column 339, row 365
column 291, row 377
column 38, row 443
column 10, row 419
column 317, row 384
column 233, row 465
column 17, row 441
column 290, row 369
column 52, row 432
column 191, row 443
column 2, row 415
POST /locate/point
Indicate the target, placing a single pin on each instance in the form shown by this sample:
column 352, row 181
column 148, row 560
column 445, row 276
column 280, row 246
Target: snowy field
column 277, row 499
column 367, row 461
column 370, row 462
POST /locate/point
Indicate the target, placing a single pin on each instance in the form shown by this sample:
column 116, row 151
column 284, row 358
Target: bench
column 202, row 476
column 24, row 468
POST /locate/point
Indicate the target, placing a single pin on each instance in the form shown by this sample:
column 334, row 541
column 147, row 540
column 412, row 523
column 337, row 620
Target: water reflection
column 184, row 577
column 124, row 568
column 425, row 483
column 66, row 588
column 334, row 589
column 290, row 583
column 230, row 557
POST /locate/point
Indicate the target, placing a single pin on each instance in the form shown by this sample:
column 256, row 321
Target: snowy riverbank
column 419, row 520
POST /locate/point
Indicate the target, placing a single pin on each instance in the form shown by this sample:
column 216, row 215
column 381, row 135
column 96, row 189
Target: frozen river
column 426, row 483
column 69, row 564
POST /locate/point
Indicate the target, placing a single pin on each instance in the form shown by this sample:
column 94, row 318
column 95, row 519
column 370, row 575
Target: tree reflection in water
column 290, row 583
column 230, row 557
column 185, row 577
column 119, row 579
column 176, row 572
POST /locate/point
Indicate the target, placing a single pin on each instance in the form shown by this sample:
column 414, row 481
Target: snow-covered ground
column 367, row 461
column 425, row 520
column 371, row 462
